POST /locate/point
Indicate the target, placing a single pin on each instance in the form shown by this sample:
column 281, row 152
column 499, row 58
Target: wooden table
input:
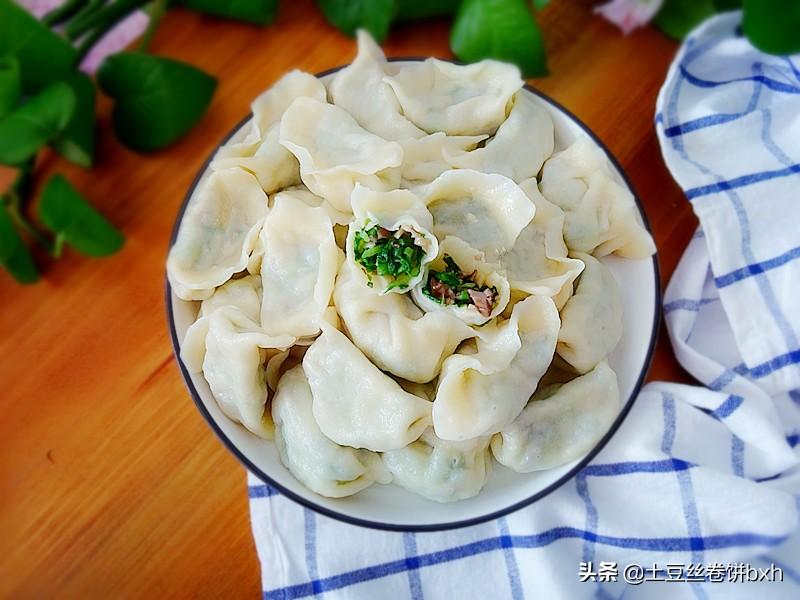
column 111, row 483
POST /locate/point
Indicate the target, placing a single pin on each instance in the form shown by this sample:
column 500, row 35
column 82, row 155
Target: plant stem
column 63, row 12
column 156, row 12
column 14, row 205
column 104, row 18
column 91, row 7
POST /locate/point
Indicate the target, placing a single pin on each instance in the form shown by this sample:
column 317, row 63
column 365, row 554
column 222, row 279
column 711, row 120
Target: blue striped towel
column 695, row 474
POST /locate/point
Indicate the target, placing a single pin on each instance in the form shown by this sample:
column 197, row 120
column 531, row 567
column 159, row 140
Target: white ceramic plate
column 390, row 506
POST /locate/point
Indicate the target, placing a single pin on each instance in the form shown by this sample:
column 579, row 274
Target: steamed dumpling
column 357, row 405
column 390, row 241
column 440, row 470
column 231, row 350
column 298, row 268
column 561, row 423
column 538, row 263
column 486, row 211
column 321, row 465
column 359, row 88
column 591, row 321
column 458, row 99
column 217, row 234
column 601, row 215
column 259, row 152
column 335, row 152
column 393, row 333
column 424, row 159
column 518, row 149
column 243, row 293
column 483, row 392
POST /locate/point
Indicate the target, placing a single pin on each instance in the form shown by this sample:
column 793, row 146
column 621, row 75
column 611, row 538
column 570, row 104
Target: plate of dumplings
column 412, row 294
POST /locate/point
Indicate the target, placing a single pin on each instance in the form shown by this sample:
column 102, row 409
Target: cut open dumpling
column 591, row 321
column 335, row 152
column 561, row 423
column 217, row 234
column 318, row 463
column 390, row 239
column 601, row 215
column 458, row 99
column 440, row 470
column 393, row 333
column 482, row 392
column 357, row 405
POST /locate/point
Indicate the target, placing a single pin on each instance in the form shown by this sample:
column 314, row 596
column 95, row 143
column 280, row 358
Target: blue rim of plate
column 437, row 526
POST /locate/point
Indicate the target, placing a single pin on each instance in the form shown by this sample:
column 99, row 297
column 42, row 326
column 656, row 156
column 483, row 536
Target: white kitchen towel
column 696, row 475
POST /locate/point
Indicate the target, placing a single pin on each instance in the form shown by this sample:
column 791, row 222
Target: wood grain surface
column 111, row 483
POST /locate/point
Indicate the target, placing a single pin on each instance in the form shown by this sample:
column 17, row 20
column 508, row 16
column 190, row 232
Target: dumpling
column 335, row 152
column 217, row 234
column 231, row 350
column 302, row 193
column 483, row 392
column 439, row 470
column 393, row 333
column 357, row 405
column 298, row 268
column 538, row 263
column 561, row 423
column 319, row 464
column 486, row 211
column 519, row 148
column 260, row 153
column 424, row 158
column 458, row 99
column 390, row 239
column 601, row 215
column 591, row 321
column 459, row 282
column 243, row 293
column 363, row 78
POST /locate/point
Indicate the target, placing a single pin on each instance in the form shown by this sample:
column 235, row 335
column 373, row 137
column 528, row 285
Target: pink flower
column 629, row 14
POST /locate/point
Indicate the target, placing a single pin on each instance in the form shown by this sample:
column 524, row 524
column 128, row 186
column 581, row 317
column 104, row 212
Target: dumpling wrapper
column 362, row 79
column 321, row 465
column 469, row 261
column 591, row 320
column 561, row 423
column 217, row 234
column 440, row 470
column 519, row 147
column 335, row 152
column 486, row 211
column 260, row 152
column 481, row 393
column 298, row 268
column 243, row 293
column 357, row 405
column 397, row 210
column 437, row 95
column 231, row 350
column 538, row 263
column 393, row 332
column 601, row 215
column 424, row 159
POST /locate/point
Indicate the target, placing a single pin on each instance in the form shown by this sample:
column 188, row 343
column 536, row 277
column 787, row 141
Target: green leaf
column 349, row 15
column 500, row 29
column 411, row 10
column 722, row 5
column 259, row 12
column 67, row 214
column 76, row 142
column 35, row 123
column 157, row 100
column 10, row 87
column 773, row 26
column 43, row 55
column 678, row 17
column 540, row 4
column 14, row 254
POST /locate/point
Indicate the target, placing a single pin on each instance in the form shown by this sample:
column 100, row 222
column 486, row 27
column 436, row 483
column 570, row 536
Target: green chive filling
column 391, row 254
column 453, row 286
